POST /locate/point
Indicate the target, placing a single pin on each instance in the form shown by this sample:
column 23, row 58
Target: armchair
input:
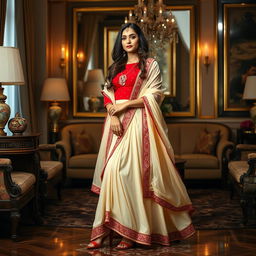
column 52, row 163
column 17, row 189
column 242, row 178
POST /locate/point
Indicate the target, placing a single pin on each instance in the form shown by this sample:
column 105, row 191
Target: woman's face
column 130, row 40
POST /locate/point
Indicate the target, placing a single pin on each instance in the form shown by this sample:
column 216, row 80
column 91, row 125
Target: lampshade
column 250, row 88
column 11, row 71
column 95, row 75
column 55, row 89
column 92, row 89
column 95, row 80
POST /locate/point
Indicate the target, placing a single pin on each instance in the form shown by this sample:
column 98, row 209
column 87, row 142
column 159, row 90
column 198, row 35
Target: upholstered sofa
column 183, row 137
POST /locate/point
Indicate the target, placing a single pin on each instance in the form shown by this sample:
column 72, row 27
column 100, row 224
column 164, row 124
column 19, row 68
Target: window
column 12, row 92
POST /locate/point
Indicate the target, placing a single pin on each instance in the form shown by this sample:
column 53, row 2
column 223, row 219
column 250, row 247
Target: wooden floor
column 53, row 241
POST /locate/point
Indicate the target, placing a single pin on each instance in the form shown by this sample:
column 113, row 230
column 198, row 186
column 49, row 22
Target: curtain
column 25, row 17
column 2, row 19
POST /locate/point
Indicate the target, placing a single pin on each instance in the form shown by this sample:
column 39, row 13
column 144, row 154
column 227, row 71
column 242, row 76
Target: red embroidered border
column 140, row 237
column 145, row 154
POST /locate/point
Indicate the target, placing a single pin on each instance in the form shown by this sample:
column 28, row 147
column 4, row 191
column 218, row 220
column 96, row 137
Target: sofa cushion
column 81, row 143
column 94, row 130
column 83, row 161
column 206, row 142
column 237, row 168
column 200, row 161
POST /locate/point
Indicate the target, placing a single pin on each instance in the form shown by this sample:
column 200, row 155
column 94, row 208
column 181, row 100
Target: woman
column 142, row 197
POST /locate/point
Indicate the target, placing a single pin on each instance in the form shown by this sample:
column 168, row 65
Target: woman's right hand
column 116, row 126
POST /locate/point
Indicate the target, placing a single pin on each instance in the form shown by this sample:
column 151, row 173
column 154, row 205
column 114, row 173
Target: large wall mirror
column 94, row 33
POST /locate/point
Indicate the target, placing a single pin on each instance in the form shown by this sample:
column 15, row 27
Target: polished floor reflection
column 52, row 241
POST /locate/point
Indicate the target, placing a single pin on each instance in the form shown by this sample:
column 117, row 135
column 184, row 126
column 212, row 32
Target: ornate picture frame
column 237, row 55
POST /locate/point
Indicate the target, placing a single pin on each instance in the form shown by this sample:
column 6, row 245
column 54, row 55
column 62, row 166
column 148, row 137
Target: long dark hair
column 120, row 57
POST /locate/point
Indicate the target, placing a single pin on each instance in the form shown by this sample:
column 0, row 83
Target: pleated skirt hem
column 145, row 239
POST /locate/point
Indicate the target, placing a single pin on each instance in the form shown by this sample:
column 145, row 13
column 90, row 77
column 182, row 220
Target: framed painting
column 237, row 55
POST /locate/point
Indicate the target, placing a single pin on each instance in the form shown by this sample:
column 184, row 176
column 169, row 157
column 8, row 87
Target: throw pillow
column 207, row 142
column 81, row 143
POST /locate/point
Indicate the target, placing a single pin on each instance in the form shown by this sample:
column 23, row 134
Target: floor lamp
column 55, row 90
column 93, row 87
column 11, row 73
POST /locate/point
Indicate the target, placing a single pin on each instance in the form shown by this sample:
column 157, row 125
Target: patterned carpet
column 213, row 209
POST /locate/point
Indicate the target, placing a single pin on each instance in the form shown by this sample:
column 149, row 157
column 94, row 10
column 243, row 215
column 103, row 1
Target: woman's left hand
column 118, row 108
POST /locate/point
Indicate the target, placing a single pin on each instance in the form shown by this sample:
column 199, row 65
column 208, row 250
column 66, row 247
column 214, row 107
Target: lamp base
column 4, row 111
column 54, row 113
column 94, row 104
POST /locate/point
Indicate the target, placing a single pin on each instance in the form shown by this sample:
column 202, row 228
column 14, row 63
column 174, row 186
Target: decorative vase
column 4, row 111
column 17, row 125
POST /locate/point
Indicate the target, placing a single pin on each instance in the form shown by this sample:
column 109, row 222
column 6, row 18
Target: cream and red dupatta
column 135, row 174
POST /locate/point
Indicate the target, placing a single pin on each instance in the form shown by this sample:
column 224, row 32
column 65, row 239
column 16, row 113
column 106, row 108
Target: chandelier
column 157, row 23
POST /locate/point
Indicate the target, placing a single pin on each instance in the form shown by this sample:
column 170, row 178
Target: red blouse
column 123, row 92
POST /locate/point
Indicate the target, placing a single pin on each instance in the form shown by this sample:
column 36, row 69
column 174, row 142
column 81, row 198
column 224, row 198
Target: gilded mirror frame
column 192, row 65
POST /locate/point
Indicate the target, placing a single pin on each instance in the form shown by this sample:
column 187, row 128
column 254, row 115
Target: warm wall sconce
column 206, row 56
column 62, row 57
column 80, row 58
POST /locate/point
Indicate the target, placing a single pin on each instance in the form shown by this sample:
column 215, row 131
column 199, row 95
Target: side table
column 246, row 136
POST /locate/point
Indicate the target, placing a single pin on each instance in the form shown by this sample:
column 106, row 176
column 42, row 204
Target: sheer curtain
column 12, row 92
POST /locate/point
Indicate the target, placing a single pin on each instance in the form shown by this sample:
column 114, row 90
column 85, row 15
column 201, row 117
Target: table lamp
column 93, row 88
column 250, row 94
column 55, row 90
column 11, row 73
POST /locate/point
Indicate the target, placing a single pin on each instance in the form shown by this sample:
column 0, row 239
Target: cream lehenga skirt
column 123, row 207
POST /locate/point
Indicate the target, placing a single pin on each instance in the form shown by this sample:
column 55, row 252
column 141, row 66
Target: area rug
column 213, row 209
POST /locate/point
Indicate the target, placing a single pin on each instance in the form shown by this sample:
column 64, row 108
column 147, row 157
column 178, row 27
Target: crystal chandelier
column 157, row 23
